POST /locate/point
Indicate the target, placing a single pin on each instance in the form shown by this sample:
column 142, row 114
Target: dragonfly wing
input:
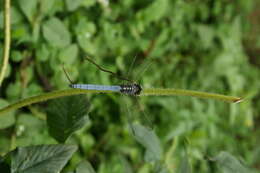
column 142, row 69
column 129, row 114
column 142, row 110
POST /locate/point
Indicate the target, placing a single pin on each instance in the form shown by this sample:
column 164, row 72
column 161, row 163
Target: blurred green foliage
column 200, row 45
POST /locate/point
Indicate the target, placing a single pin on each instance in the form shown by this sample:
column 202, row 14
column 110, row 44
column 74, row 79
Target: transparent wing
column 143, row 113
column 143, row 68
column 129, row 113
column 130, row 69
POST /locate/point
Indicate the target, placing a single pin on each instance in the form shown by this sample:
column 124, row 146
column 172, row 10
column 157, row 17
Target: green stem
column 7, row 41
column 45, row 97
column 145, row 92
column 182, row 92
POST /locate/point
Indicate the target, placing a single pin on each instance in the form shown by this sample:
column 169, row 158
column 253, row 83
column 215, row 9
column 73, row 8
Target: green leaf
column 85, row 31
column 16, row 16
column 8, row 119
column 69, row 54
column 153, row 12
column 73, row 5
column 56, row 33
column 185, row 166
column 46, row 6
column 229, row 164
column 28, row 126
column 84, row 167
column 150, row 141
column 206, row 35
column 29, row 8
column 160, row 168
column 88, row 3
column 43, row 52
column 66, row 115
column 41, row 158
column 16, row 56
column 126, row 165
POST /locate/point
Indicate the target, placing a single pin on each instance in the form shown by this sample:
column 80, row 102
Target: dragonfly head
column 138, row 89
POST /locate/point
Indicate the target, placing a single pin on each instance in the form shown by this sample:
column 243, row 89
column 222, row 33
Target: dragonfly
column 131, row 88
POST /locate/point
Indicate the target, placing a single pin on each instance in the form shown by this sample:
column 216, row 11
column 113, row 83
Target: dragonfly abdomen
column 116, row 88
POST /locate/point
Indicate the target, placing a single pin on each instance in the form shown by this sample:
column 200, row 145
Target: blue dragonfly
column 128, row 89
column 131, row 88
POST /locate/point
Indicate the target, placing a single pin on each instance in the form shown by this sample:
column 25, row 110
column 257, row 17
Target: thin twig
column 107, row 71
column 7, row 41
column 67, row 75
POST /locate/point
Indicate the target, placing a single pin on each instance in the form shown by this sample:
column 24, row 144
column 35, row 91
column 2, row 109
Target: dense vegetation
column 201, row 45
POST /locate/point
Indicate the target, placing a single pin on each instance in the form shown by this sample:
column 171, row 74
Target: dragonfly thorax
column 131, row 89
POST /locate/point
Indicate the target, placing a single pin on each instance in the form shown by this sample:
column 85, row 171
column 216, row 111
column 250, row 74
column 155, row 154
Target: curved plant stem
column 7, row 41
column 45, row 97
column 145, row 92
column 182, row 92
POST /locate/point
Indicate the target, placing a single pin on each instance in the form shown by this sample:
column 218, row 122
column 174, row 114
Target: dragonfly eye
column 138, row 89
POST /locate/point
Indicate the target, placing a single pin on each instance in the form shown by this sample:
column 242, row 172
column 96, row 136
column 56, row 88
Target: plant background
column 210, row 46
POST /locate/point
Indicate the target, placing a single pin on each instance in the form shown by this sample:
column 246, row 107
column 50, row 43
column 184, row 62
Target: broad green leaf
column 56, row 33
column 229, row 164
column 8, row 119
column 41, row 158
column 206, row 35
column 84, row 167
column 150, row 142
column 21, row 33
column 16, row 56
column 160, row 168
column 85, row 28
column 28, row 125
column 66, row 115
column 88, row 3
column 33, row 88
column 73, row 5
column 85, row 31
column 185, row 166
column 153, row 12
column 16, row 16
column 46, row 6
column 14, row 90
column 43, row 52
column 126, row 165
column 69, row 54
column 29, row 8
